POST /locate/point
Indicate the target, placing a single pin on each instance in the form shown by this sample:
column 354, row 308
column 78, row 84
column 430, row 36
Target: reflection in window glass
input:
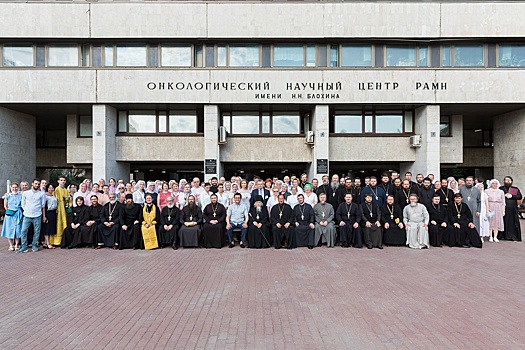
column 288, row 56
column 356, row 56
column 348, row 123
column 245, row 123
column 18, row 56
column 162, row 121
column 310, row 55
column 142, row 121
column 85, row 124
column 512, row 55
column 176, row 55
column 265, row 124
column 445, row 56
column 131, row 56
column 334, row 56
column 108, row 56
column 423, row 57
column 63, row 55
column 368, row 122
column 408, row 121
column 122, row 121
column 244, row 55
column 398, row 56
column 389, row 123
column 226, row 121
column 221, row 56
column 183, row 122
column 468, row 56
column 444, row 126
column 286, row 123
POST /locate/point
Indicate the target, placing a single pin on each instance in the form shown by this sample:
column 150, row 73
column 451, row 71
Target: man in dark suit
column 260, row 191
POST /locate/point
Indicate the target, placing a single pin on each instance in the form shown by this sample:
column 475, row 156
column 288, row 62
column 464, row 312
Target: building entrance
column 263, row 170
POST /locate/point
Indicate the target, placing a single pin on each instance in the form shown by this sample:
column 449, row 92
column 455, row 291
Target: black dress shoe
column 242, row 245
column 380, row 247
column 369, row 247
column 231, row 245
column 174, row 246
column 310, row 247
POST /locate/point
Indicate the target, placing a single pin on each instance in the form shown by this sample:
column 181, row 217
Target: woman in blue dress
column 13, row 217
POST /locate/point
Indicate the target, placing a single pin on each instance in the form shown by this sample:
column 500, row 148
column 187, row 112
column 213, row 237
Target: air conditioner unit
column 415, row 141
column 222, row 135
column 309, row 137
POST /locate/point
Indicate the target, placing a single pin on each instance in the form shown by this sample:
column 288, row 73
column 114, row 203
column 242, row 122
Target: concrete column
column 509, row 147
column 211, row 140
column 105, row 164
column 321, row 150
column 18, row 145
column 427, row 120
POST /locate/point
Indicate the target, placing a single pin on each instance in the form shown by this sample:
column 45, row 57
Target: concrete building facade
column 168, row 89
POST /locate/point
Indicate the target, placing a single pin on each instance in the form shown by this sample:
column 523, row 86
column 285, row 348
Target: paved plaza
column 397, row 298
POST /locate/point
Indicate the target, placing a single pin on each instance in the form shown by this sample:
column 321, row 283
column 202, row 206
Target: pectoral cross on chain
column 280, row 215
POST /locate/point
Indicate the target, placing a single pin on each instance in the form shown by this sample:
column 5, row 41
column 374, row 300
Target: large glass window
column 401, row 56
column 131, row 56
column 183, row 122
column 142, row 121
column 286, row 123
column 245, row 123
column 356, row 56
column 18, row 56
column 348, row 123
column 62, row 56
column 468, row 56
column 389, row 123
column 244, row 55
column 176, row 55
column 512, row 55
column 85, row 126
column 288, row 55
column 444, row 126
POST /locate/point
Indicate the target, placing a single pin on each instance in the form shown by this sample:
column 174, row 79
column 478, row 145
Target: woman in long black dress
column 79, row 218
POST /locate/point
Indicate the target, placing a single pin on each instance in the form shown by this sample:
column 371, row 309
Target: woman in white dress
column 234, row 190
column 182, row 198
column 246, row 194
column 484, row 216
column 223, row 197
column 309, row 196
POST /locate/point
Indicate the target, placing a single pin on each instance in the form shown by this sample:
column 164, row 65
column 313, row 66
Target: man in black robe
column 348, row 188
column 446, row 194
column 356, row 193
column 79, row 218
column 214, row 215
column 386, row 185
column 191, row 220
column 326, row 188
column 304, row 223
column 439, row 228
column 402, row 197
column 371, row 222
column 169, row 224
column 348, row 215
column 258, row 225
column 378, row 194
column 129, row 224
column 109, row 228
column 511, row 219
column 392, row 220
column 88, row 234
column 426, row 192
column 282, row 220
column 462, row 221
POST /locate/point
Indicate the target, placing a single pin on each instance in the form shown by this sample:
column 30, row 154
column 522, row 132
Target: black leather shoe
column 310, row 247
column 380, row 247
column 174, row 246
column 231, row 245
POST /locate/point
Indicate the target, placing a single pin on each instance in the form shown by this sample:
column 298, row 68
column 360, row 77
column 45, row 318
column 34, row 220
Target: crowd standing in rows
column 288, row 213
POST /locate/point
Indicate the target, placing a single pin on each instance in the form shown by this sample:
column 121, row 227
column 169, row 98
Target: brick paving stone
column 398, row 298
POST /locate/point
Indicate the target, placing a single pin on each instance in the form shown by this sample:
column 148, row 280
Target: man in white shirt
column 34, row 206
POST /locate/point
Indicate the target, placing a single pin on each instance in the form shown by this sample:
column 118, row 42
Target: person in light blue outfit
column 34, row 205
column 13, row 223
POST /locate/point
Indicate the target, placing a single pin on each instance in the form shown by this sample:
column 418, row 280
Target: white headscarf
column 496, row 181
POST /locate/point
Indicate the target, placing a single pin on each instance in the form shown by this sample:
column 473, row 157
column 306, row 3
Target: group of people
column 288, row 213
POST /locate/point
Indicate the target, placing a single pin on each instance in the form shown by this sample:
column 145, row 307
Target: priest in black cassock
column 130, row 226
column 304, row 223
column 439, row 228
column 109, row 228
column 371, row 223
column 326, row 188
column 88, row 234
column 282, row 220
column 511, row 219
column 462, row 221
column 348, row 216
column 191, row 220
column 402, row 197
column 169, row 224
column 446, row 194
column 79, row 218
column 392, row 220
column 259, row 225
column 213, row 230
column 426, row 192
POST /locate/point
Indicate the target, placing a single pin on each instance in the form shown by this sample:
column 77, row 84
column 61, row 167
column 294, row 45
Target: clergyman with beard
column 258, row 225
column 191, row 220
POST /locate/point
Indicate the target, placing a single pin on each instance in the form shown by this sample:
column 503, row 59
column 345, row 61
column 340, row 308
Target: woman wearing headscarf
column 453, row 185
column 496, row 201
